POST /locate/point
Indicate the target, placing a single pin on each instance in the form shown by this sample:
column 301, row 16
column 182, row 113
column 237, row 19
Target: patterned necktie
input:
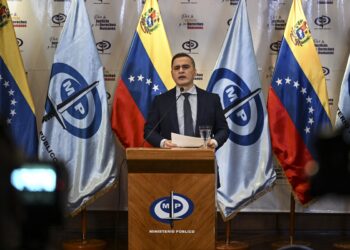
column 188, row 122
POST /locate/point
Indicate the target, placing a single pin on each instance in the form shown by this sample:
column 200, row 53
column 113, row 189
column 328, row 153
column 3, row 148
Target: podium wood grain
column 145, row 185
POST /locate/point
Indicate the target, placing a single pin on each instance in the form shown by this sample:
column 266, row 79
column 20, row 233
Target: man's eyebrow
column 181, row 65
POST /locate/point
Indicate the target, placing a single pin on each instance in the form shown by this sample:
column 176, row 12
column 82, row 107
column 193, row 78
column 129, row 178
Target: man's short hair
column 178, row 55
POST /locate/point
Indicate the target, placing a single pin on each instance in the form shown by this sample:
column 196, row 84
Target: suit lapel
column 199, row 113
column 173, row 112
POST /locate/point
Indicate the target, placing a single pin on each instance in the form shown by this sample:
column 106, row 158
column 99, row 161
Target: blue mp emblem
column 243, row 109
column 74, row 103
column 169, row 209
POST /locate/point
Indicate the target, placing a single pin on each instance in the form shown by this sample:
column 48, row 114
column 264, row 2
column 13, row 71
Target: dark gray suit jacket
column 209, row 112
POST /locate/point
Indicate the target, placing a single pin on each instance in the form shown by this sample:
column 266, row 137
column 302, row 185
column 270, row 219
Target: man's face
column 183, row 72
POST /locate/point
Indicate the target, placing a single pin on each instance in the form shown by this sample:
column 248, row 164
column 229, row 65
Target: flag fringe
column 307, row 204
column 253, row 198
column 100, row 193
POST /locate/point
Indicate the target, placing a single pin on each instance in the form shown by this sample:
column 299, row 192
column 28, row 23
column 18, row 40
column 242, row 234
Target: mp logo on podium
column 172, row 208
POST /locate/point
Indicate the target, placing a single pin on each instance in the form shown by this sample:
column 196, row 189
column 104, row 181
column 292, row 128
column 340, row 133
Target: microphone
column 162, row 118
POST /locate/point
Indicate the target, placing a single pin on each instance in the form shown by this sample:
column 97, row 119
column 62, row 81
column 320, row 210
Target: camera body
column 33, row 196
column 38, row 194
column 332, row 175
column 41, row 191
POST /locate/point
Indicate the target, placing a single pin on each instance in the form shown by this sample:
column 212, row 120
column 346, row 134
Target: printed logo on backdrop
column 171, row 208
column 20, row 44
column 149, row 21
column 323, row 48
column 75, row 103
column 4, row 15
column 198, row 76
column 325, row 71
column 279, row 2
column 330, row 101
column 188, row 2
column 103, row 23
column 103, row 47
column 58, row 20
column 277, row 23
column 322, row 21
column 242, row 107
column 190, row 22
column 108, row 76
column 190, row 45
column 101, row 1
column 327, row 74
column 53, row 42
column 109, row 99
column 280, row 175
column 269, row 73
column 231, row 2
column 18, row 22
column 325, row 2
column 275, row 47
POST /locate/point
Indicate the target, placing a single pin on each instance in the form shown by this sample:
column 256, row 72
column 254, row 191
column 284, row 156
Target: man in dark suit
column 184, row 108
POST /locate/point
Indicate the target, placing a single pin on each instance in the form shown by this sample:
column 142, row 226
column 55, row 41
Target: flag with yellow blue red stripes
column 16, row 103
column 297, row 102
column 146, row 73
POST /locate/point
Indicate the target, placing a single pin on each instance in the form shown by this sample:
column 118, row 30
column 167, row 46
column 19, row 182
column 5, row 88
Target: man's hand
column 169, row 144
column 212, row 143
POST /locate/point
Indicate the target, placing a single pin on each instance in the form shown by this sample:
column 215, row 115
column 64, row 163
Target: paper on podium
column 184, row 141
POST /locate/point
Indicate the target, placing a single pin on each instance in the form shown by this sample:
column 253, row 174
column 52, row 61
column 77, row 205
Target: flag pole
column 84, row 243
column 83, row 225
column 228, row 244
column 228, row 232
column 292, row 219
column 291, row 241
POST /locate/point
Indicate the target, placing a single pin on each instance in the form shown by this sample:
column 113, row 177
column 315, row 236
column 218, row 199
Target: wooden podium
column 171, row 199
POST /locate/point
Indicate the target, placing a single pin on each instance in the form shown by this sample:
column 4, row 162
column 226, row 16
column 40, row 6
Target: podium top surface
column 169, row 154
column 180, row 160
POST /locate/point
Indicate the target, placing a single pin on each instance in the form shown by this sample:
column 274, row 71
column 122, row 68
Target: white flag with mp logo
column 76, row 128
column 245, row 160
column 343, row 112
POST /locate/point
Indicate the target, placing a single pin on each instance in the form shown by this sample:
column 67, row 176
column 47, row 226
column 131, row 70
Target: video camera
column 32, row 197
column 41, row 190
column 39, row 197
column 332, row 174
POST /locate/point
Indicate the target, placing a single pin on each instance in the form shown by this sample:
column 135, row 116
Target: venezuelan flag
column 146, row 73
column 297, row 102
column 17, row 107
